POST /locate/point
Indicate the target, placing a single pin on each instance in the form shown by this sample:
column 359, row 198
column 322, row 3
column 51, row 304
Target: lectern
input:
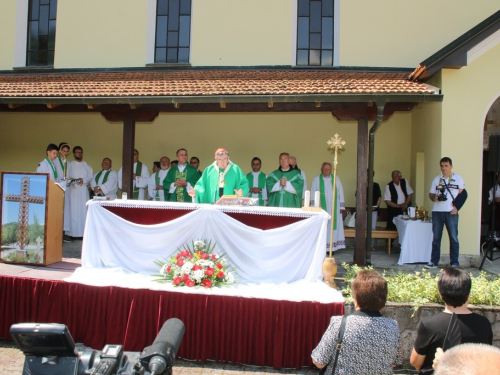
column 31, row 224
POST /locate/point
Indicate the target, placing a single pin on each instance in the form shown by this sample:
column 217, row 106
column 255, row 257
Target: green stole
column 179, row 190
column 105, row 179
column 157, row 182
column 323, row 198
column 138, row 172
column 54, row 170
column 63, row 166
column 262, row 184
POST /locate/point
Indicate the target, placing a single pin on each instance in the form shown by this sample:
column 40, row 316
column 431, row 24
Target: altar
column 266, row 244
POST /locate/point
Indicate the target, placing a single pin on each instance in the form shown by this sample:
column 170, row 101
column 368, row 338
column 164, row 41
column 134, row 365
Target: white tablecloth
column 282, row 255
column 415, row 238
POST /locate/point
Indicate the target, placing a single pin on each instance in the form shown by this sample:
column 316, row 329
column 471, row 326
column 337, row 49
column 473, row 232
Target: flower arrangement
column 198, row 266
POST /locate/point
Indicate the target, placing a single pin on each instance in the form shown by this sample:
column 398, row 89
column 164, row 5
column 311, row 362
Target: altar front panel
column 283, row 254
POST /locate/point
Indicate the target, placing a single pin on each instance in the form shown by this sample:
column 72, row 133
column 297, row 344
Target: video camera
column 50, row 350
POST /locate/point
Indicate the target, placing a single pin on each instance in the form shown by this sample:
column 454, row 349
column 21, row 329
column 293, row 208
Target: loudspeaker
column 494, row 154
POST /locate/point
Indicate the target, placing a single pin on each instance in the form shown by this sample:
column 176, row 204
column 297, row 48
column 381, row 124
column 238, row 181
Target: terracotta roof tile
column 206, row 83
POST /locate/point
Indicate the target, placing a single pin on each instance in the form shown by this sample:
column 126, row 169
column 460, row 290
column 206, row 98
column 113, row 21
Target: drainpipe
column 369, row 204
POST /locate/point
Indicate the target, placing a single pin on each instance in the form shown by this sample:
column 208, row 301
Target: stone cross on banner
column 24, row 199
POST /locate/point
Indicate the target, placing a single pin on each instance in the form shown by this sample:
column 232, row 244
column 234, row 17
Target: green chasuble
column 207, row 187
column 283, row 198
column 180, row 194
column 261, row 185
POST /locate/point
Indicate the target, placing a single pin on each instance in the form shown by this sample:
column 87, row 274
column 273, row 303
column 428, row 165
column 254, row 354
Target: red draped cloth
column 230, row 329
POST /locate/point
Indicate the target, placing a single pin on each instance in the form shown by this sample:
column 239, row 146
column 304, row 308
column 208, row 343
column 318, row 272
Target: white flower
column 229, row 278
column 163, row 270
column 186, row 267
column 205, row 263
column 198, row 275
column 199, row 245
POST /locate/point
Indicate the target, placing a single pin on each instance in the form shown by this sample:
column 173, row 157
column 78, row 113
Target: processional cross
column 336, row 143
column 24, row 199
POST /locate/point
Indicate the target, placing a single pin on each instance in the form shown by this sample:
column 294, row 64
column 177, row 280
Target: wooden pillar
column 128, row 117
column 359, row 240
column 128, row 156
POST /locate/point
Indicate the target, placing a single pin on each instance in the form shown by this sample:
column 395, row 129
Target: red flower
column 204, row 256
column 214, row 256
column 178, row 256
column 206, row 283
column 185, row 278
column 185, row 253
column 209, row 271
column 190, row 283
column 190, row 256
column 219, row 265
column 180, row 262
column 177, row 280
column 196, row 267
column 169, row 268
column 220, row 274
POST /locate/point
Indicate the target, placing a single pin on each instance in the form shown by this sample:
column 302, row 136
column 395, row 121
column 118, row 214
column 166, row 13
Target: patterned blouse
column 371, row 345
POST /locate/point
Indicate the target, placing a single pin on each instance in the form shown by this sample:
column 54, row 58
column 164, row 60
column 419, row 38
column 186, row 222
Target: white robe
column 110, row 187
column 44, row 167
column 78, row 195
column 338, row 234
column 140, row 181
column 152, row 185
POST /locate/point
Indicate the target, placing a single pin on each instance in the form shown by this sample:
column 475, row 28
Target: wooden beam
column 362, row 166
column 128, row 155
column 270, row 105
column 223, row 105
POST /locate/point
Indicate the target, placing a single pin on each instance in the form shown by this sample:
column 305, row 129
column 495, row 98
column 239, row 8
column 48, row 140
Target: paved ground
column 11, row 359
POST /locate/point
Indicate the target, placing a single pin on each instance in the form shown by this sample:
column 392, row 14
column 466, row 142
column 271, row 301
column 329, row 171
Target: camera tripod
column 492, row 241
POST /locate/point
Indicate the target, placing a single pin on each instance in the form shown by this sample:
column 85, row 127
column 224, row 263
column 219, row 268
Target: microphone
column 161, row 355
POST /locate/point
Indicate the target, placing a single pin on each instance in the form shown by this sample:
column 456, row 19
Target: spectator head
column 469, row 359
column 369, row 290
column 454, row 286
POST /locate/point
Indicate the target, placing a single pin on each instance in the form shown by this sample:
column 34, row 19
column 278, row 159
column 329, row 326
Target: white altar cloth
column 415, row 238
column 299, row 291
column 282, row 255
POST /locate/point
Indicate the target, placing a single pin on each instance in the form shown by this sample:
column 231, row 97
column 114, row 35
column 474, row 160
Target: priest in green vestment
column 257, row 182
column 285, row 185
column 180, row 179
column 223, row 177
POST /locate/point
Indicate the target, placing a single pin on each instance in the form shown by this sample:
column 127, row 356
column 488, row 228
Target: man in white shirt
column 79, row 174
column 397, row 196
column 105, row 182
column 155, row 184
column 140, row 176
column 444, row 190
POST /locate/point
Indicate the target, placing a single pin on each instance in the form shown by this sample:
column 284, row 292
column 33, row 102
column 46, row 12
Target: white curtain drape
column 282, row 255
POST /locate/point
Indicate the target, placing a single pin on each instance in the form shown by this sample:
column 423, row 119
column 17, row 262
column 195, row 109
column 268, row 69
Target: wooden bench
column 378, row 232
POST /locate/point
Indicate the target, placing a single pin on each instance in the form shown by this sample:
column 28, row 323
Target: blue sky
column 12, row 185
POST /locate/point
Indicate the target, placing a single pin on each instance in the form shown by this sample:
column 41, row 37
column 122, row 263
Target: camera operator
column 444, row 189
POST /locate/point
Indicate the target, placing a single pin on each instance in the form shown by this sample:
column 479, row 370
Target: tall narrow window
column 41, row 33
column 173, row 26
column 315, row 32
